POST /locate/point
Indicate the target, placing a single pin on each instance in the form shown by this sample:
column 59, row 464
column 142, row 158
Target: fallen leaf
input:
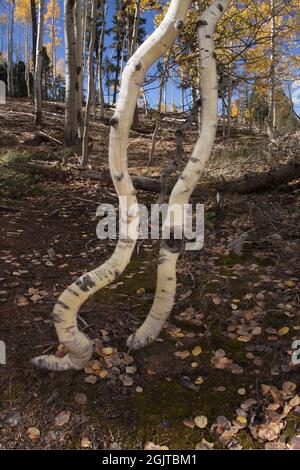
column 62, row 418
column 91, row 379
column 182, row 354
column 80, row 398
column 201, row 421
column 283, row 331
column 189, row 423
column 85, row 443
column 33, row 433
column 199, row 380
column 196, row 351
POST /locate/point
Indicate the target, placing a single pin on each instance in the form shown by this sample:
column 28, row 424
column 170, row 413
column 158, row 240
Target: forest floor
column 219, row 376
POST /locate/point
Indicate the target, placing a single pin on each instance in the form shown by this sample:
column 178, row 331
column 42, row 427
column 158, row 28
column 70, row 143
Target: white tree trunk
column 71, row 121
column 271, row 123
column 10, row 40
column 169, row 252
column 65, row 311
column 38, row 66
column 103, row 6
column 79, row 65
column 90, row 91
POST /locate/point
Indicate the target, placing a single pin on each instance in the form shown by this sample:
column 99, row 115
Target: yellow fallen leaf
column 196, row 351
column 291, row 283
column 283, row 331
column 194, row 365
column 103, row 374
column 199, row 380
column 241, row 419
column 141, row 291
column 107, row 351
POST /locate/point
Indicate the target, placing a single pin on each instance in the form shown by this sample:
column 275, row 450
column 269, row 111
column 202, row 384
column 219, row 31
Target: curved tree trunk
column 65, row 311
column 38, row 67
column 170, row 248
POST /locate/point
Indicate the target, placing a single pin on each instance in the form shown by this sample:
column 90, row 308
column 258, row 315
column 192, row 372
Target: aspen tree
column 66, row 308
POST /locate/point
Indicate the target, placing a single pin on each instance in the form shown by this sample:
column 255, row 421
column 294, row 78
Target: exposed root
column 67, row 362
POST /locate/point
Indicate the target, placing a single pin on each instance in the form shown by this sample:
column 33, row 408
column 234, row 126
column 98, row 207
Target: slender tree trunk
column 27, row 62
column 10, row 65
column 38, row 67
column 71, row 120
column 65, row 311
column 79, row 66
column 157, row 124
column 33, row 30
column 170, row 247
column 100, row 57
column 133, row 46
column 271, row 123
column 91, row 83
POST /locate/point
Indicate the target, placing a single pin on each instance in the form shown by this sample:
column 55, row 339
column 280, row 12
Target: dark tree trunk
column 34, row 30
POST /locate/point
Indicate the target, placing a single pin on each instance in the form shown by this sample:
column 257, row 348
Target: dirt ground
column 221, row 373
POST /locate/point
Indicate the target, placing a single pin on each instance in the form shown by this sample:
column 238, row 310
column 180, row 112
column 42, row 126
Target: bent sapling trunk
column 180, row 195
column 66, row 308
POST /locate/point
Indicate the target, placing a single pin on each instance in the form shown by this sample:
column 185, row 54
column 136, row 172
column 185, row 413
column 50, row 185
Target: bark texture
column 65, row 311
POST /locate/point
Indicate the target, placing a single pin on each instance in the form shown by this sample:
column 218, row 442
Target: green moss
column 14, row 184
column 130, row 285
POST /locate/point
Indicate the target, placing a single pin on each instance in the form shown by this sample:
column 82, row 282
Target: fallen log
column 254, row 183
column 263, row 181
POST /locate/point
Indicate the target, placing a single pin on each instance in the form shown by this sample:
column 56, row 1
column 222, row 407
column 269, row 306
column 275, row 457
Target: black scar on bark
column 73, row 292
column 221, row 8
column 63, row 305
column 138, row 66
column 114, row 121
column 56, row 318
column 172, row 244
column 119, row 177
column 78, row 70
column 201, row 23
column 85, row 283
column 179, row 24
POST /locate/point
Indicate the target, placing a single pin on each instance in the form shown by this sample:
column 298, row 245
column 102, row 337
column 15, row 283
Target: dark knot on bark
column 179, row 24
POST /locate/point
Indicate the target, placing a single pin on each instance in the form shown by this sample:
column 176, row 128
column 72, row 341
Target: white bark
column 68, row 304
column 271, row 123
column 79, row 65
column 169, row 252
column 10, row 40
column 90, row 91
column 71, row 121
column 38, row 66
